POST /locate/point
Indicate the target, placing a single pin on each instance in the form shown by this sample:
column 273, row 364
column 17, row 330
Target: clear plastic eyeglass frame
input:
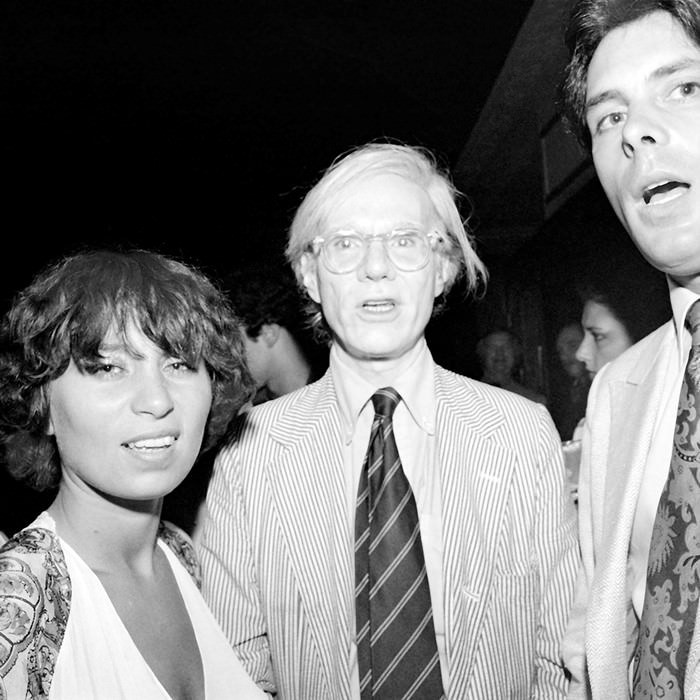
column 345, row 250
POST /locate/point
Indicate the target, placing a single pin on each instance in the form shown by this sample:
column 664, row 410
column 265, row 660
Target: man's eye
column 610, row 121
column 687, row 89
column 345, row 242
column 404, row 240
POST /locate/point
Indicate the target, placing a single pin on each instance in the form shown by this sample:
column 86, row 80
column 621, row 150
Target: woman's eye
column 100, row 368
column 182, row 366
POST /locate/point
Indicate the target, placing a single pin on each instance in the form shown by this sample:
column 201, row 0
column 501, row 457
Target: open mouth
column 664, row 191
column 378, row 306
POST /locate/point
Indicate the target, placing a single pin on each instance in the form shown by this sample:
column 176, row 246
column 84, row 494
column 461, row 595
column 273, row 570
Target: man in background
column 500, row 353
column 281, row 354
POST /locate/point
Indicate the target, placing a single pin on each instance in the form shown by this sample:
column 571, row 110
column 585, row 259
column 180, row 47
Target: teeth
column 152, row 443
column 379, row 306
column 662, row 188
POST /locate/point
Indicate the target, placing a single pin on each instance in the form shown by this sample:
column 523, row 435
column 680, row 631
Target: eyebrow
column 661, row 72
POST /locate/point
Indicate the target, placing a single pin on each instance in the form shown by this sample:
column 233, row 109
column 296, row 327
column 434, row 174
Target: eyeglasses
column 344, row 251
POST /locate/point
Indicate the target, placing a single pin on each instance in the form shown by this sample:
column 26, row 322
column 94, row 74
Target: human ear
column 444, row 272
column 309, row 276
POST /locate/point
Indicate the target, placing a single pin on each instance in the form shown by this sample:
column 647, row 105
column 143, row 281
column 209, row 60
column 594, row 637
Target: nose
column 583, row 353
column 642, row 128
column 152, row 394
column 377, row 263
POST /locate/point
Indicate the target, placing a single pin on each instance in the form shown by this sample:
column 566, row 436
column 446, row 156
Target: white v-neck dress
column 99, row 661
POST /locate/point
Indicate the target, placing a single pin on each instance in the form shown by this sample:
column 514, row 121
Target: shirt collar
column 415, row 384
column 681, row 300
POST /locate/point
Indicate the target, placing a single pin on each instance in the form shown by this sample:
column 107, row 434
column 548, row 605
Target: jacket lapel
column 308, row 491
column 634, row 400
column 476, row 475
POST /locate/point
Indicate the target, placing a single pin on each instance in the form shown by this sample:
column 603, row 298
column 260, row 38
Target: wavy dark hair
column 65, row 314
column 589, row 22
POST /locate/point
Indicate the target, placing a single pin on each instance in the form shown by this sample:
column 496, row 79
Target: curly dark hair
column 65, row 314
column 590, row 21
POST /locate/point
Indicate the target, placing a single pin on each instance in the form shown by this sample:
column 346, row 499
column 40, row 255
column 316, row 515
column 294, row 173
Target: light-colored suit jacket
column 623, row 406
column 278, row 553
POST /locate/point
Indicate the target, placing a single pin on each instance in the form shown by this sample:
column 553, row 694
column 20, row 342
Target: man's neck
column 380, row 371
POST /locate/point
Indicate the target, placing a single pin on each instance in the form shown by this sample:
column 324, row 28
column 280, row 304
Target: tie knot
column 693, row 322
column 385, row 401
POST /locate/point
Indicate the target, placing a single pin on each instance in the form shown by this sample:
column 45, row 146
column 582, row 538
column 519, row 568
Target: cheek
column 606, row 171
column 202, row 398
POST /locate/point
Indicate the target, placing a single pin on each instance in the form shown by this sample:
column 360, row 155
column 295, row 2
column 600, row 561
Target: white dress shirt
column 414, row 428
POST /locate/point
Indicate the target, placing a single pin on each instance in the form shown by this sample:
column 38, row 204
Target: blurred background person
column 115, row 370
column 281, row 353
column 569, row 386
column 618, row 310
column 500, row 354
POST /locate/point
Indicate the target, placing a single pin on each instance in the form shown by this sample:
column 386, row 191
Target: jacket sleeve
column 557, row 551
column 573, row 644
column 229, row 582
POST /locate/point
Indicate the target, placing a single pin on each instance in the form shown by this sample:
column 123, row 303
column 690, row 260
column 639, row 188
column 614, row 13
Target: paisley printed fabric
column 673, row 573
column 182, row 547
column 35, row 601
column 35, row 596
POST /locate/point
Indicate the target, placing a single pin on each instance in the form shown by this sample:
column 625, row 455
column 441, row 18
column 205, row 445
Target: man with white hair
column 392, row 530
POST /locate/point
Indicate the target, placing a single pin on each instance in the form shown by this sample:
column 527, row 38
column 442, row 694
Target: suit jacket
column 622, row 412
column 278, row 554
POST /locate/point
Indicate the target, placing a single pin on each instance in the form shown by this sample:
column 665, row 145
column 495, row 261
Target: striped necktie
column 396, row 647
column 673, row 571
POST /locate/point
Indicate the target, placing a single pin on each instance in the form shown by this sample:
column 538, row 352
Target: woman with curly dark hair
column 115, row 369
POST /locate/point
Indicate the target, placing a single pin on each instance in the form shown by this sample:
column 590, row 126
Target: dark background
column 195, row 128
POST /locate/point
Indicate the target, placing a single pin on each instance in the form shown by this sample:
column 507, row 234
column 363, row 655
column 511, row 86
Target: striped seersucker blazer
column 277, row 555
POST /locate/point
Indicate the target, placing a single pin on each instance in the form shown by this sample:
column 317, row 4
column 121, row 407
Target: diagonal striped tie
column 396, row 647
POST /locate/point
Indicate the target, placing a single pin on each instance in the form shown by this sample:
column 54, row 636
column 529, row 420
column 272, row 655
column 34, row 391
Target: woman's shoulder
column 35, row 596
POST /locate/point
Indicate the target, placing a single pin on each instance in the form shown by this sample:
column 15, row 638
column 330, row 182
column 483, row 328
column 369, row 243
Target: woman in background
column 619, row 308
column 114, row 368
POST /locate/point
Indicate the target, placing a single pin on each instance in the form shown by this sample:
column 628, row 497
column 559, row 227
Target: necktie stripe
column 391, row 567
column 393, row 518
column 403, row 601
column 396, row 649
column 399, row 656
column 413, row 691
